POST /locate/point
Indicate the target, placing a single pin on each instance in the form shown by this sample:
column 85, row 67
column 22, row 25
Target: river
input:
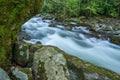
column 75, row 42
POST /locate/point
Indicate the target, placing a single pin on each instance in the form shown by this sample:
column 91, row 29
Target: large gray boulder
column 49, row 64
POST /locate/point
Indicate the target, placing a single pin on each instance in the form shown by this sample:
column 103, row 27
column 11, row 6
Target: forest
column 59, row 39
column 88, row 8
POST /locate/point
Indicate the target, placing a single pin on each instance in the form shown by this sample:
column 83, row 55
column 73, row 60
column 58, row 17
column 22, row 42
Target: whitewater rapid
column 97, row 51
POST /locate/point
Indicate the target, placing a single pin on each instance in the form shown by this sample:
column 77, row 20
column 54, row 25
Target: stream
column 77, row 42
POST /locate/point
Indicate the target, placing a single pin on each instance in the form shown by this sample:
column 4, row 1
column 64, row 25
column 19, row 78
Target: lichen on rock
column 50, row 65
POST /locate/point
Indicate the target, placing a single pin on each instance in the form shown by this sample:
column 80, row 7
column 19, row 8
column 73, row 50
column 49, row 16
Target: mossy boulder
column 22, row 53
column 13, row 13
column 49, row 64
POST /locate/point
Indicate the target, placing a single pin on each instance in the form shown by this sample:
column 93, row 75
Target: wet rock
column 102, row 27
column 108, row 28
column 117, row 26
column 19, row 73
column 114, row 32
column 22, row 35
column 53, row 24
column 21, row 54
column 3, row 75
column 49, row 65
column 99, row 27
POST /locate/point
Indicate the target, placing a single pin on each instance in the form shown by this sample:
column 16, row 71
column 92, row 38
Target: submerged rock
column 3, row 75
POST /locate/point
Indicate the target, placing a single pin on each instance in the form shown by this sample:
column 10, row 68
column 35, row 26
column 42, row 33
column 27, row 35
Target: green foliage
column 2, row 55
column 76, row 8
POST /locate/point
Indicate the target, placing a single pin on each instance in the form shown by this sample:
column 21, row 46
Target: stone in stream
column 3, row 75
column 19, row 73
column 20, row 54
column 23, row 53
column 23, row 35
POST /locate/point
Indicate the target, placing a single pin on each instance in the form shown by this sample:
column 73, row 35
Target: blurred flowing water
column 95, row 50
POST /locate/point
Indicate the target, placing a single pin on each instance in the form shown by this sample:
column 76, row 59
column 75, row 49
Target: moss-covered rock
column 13, row 13
column 22, row 53
column 19, row 73
column 49, row 64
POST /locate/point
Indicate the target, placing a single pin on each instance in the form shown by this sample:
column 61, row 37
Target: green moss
column 41, row 71
column 13, row 13
column 115, row 39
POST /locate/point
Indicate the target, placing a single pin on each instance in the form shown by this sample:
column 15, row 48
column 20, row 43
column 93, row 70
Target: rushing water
column 97, row 51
